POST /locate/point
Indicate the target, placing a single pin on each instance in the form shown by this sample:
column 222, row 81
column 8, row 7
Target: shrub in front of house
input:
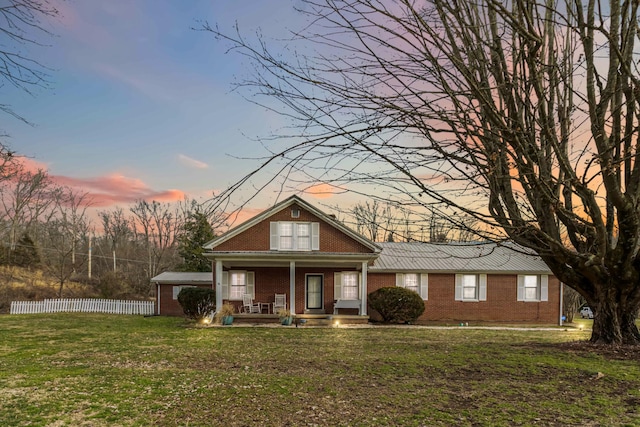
column 396, row 305
column 197, row 303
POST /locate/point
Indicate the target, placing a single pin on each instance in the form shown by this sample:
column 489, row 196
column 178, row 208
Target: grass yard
column 101, row 370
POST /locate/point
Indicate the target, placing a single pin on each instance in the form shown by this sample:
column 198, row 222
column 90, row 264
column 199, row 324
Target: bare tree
column 117, row 231
column 522, row 115
column 160, row 224
column 25, row 199
column 22, row 25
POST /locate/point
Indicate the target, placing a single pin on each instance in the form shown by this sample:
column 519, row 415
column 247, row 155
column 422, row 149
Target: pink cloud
column 115, row 188
column 30, row 165
column 192, row 163
column 321, row 191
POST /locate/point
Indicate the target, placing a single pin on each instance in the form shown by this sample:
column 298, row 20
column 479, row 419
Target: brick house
column 326, row 270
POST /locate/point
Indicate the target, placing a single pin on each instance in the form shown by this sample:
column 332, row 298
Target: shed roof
column 183, row 278
column 458, row 257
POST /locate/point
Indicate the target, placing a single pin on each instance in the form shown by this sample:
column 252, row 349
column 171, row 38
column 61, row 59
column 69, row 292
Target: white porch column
column 292, row 286
column 218, row 285
column 363, row 291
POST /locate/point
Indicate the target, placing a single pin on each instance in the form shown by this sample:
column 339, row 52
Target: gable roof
column 458, row 258
column 283, row 205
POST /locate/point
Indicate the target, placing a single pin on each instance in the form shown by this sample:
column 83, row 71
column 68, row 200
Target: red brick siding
column 257, row 237
column 169, row 306
column 501, row 304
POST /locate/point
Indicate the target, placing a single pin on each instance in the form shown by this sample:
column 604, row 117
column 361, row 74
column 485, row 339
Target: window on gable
column 295, row 236
column 286, row 235
column 304, row 236
column 533, row 287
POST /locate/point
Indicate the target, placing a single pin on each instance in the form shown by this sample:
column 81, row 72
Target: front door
column 314, row 292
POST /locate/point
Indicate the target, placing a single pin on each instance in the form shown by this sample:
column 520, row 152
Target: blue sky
column 140, row 104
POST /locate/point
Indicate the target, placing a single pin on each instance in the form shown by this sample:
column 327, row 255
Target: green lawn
column 100, row 370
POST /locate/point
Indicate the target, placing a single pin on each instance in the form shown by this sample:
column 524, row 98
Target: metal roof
column 458, row 257
column 183, row 278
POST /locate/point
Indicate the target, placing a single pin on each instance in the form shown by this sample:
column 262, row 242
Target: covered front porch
column 318, row 288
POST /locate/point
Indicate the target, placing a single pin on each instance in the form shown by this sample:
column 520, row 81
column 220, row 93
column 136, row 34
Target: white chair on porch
column 280, row 303
column 248, row 306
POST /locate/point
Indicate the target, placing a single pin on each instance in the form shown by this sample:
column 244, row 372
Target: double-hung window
column 346, row 285
column 303, row 233
column 419, row 283
column 286, row 235
column 471, row 287
column 533, row 287
column 236, row 283
column 295, row 236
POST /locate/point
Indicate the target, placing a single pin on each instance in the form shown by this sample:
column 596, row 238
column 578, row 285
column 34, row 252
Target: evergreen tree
column 196, row 232
column 25, row 254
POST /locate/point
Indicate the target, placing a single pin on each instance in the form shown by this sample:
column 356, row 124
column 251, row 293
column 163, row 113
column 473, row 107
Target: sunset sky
column 141, row 105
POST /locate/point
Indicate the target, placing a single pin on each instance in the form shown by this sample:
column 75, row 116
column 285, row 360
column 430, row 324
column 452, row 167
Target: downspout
column 158, row 298
column 561, row 303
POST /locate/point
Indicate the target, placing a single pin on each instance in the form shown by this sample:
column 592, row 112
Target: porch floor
column 304, row 319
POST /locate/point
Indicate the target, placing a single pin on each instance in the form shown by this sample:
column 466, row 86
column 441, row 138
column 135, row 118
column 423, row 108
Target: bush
column 197, row 303
column 396, row 305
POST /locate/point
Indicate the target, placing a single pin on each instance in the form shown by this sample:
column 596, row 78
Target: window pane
column 286, row 235
column 303, row 236
column 531, row 293
column 303, row 229
column 469, row 293
column 350, row 286
column 238, row 285
column 470, row 286
column 411, row 282
column 531, row 288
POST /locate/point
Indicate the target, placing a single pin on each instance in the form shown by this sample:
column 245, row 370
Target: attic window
column 295, row 213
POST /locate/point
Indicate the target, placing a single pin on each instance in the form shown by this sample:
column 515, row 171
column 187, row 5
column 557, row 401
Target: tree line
column 47, row 226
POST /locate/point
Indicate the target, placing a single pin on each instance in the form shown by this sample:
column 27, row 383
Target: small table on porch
column 264, row 305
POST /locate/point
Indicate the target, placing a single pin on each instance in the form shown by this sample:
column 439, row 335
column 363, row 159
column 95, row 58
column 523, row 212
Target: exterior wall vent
column 295, row 213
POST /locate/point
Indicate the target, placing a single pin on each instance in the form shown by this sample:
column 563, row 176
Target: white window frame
column 342, row 292
column 541, row 287
column 421, row 280
column 306, row 241
column 480, row 287
column 247, row 288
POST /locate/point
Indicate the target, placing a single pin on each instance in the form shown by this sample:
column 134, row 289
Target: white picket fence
column 83, row 305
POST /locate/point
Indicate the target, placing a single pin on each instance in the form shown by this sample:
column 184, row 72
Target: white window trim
column 543, row 288
column 313, row 236
column 423, row 283
column 249, row 277
column 481, row 287
column 338, row 289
